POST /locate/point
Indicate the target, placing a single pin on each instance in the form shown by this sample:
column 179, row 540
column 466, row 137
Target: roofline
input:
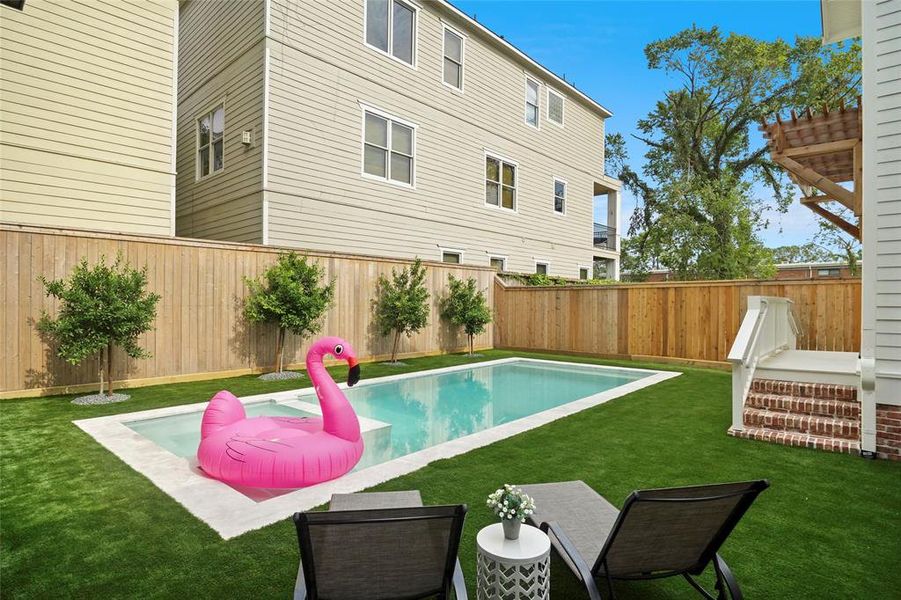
column 523, row 56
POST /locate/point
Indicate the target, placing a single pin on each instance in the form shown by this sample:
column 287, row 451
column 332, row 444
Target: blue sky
column 600, row 46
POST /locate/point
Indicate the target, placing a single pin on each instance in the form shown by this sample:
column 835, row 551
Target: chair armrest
column 725, row 577
column 564, row 545
column 459, row 583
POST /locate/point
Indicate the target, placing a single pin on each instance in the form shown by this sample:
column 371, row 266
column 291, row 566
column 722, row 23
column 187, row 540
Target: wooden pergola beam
column 835, row 219
column 820, row 182
column 817, row 149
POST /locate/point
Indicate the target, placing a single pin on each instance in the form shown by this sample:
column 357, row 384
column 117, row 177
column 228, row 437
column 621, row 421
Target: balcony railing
column 604, row 237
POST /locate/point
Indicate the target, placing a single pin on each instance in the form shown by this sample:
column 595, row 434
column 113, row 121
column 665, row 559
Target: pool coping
column 230, row 513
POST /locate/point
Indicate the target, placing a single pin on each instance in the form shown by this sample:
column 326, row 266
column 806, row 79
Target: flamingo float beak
column 353, row 375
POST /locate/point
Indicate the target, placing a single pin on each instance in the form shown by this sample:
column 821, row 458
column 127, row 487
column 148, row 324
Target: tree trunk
column 279, row 348
column 471, row 336
column 109, row 367
column 102, row 369
column 394, row 348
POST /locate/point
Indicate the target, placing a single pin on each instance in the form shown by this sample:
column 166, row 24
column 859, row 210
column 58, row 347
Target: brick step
column 793, row 438
column 803, row 406
column 796, row 389
column 848, row 429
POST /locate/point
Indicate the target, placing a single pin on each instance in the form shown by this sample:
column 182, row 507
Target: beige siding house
column 87, row 114
column 386, row 127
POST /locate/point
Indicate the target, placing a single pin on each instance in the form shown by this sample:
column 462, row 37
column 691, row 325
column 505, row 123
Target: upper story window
column 453, row 58
column 533, row 110
column 391, row 28
column 500, row 182
column 388, row 148
column 555, row 107
column 210, row 145
column 559, row 196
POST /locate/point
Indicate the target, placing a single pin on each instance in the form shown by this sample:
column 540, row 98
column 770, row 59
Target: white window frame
column 209, row 112
column 547, row 266
column 525, row 101
column 368, row 108
column 415, row 8
column 499, row 257
column 554, row 194
column 550, row 91
column 590, row 272
column 500, row 157
column 462, row 37
column 442, row 251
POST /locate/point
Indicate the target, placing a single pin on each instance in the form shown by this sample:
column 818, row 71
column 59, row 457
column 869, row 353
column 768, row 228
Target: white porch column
column 613, row 206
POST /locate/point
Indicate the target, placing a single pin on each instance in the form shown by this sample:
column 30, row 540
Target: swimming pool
column 407, row 420
column 426, row 409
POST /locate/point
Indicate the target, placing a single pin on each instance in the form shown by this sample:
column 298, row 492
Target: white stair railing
column 769, row 327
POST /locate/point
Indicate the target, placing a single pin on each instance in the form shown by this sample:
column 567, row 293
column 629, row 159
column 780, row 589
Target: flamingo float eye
column 339, row 349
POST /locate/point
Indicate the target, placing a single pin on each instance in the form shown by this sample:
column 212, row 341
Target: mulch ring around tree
column 279, row 376
column 92, row 399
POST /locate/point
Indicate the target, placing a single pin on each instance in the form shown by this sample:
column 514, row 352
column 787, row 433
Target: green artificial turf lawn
column 77, row 522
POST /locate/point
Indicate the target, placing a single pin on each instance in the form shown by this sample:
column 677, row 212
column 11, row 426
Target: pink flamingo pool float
column 285, row 452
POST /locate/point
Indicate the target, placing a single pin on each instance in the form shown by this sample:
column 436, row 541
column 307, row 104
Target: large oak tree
column 698, row 213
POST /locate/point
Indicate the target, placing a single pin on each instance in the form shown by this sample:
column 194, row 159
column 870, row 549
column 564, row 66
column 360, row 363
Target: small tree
column 402, row 303
column 466, row 306
column 100, row 307
column 289, row 295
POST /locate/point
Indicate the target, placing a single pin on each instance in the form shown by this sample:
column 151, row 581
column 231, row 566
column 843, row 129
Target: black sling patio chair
column 658, row 533
column 379, row 546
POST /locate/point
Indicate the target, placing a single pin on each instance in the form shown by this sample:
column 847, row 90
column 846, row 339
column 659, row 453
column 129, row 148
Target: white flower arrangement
column 510, row 502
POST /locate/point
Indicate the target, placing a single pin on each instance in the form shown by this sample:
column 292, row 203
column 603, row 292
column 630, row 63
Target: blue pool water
column 428, row 409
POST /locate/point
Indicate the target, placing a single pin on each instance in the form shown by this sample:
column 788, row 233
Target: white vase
column 511, row 528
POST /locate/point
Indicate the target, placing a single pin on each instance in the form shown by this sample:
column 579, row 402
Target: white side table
column 513, row 569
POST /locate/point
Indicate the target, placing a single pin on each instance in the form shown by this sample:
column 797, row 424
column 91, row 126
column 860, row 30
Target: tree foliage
column 837, row 244
column 101, row 307
column 402, row 306
column 466, row 306
column 705, row 157
column 801, row 253
column 290, row 296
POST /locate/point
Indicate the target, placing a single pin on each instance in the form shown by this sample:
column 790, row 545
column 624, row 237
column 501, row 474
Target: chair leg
column 459, row 583
column 725, row 580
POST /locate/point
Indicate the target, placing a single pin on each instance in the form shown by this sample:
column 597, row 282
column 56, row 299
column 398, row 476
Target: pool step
column 822, row 416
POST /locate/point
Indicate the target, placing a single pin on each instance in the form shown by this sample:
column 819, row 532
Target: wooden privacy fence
column 199, row 330
column 694, row 321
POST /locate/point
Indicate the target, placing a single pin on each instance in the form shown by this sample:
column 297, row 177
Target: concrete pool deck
column 231, row 513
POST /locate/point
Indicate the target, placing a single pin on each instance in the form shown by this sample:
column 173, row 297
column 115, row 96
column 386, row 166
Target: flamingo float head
column 341, row 350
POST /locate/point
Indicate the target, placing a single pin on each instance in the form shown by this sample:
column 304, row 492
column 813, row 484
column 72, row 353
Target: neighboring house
column 786, row 271
column 87, row 114
column 387, row 127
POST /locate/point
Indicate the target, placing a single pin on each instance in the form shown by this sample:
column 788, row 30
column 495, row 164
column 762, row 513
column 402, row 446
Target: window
column 498, row 262
column 210, row 149
column 391, row 28
column 541, row 268
column 828, row 272
column 583, row 273
column 532, row 108
column 500, row 183
column 454, row 258
column 559, row 196
column 388, row 147
column 453, row 58
column 554, row 107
